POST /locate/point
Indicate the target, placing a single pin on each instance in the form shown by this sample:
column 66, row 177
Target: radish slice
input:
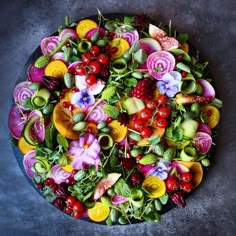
column 47, row 45
column 149, row 45
column 58, row 174
column 204, row 128
column 35, row 74
column 28, row 162
column 202, row 141
column 159, row 63
column 208, row 90
column 16, row 121
column 130, row 36
column 67, row 34
column 91, row 32
column 22, row 92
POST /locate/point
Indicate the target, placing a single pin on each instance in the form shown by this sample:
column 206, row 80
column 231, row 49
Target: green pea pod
column 114, row 215
column 157, row 204
column 69, row 80
column 79, row 126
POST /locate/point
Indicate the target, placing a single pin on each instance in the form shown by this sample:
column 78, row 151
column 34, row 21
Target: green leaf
column 164, row 199
column 130, row 82
column 111, row 111
column 128, row 19
column 62, row 141
column 182, row 66
column 140, row 56
column 28, row 104
column 135, row 47
column 153, row 140
column 182, row 38
column 122, row 188
column 178, row 134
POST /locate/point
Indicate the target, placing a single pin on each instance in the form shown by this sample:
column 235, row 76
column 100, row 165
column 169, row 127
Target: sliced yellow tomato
column 24, row 146
column 56, row 68
column 84, row 26
column 122, row 46
column 99, row 212
column 155, row 186
column 118, row 131
column 196, row 170
column 211, row 115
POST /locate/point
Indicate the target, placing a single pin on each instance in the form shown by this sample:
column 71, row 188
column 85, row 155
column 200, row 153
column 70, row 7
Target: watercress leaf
column 28, row 104
column 130, row 82
column 164, row 199
column 128, row 19
column 182, row 66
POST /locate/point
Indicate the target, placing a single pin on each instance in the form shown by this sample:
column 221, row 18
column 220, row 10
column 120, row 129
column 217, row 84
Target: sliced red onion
column 58, row 174
column 208, row 90
column 204, row 128
column 16, row 121
column 202, row 141
column 67, row 34
column 28, row 162
column 91, row 32
column 48, row 44
column 130, row 36
column 97, row 115
column 179, row 167
column 35, row 74
column 117, row 199
column 22, row 92
column 159, row 63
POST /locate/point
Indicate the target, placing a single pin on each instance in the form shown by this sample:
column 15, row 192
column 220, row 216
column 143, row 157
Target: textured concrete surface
column 211, row 26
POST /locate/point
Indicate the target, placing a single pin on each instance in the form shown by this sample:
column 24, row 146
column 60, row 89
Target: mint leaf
column 122, row 188
column 128, row 19
column 111, row 111
column 182, row 38
column 153, row 140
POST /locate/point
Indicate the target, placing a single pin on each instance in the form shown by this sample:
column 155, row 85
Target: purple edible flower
column 161, row 169
column 169, row 84
column 82, row 99
column 85, row 151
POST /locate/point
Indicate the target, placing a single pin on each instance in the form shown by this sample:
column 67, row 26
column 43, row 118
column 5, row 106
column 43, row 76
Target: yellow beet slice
column 56, row 68
column 62, row 119
column 155, row 186
column 118, row 131
column 99, row 212
column 211, row 114
column 84, row 26
column 122, row 45
column 24, row 146
column 196, row 169
column 68, row 168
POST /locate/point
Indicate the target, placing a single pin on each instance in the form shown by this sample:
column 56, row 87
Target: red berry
column 61, row 96
column 128, row 163
column 114, row 49
column 109, row 120
column 139, row 157
column 66, row 104
column 136, row 178
column 75, row 90
column 39, row 186
column 179, row 57
column 184, row 74
column 49, row 181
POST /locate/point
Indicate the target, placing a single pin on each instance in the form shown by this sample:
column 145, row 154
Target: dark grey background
column 211, row 26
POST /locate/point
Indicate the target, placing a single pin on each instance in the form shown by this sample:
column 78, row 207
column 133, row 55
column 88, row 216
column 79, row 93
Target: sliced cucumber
column 40, row 168
column 27, row 129
column 40, row 98
column 133, row 105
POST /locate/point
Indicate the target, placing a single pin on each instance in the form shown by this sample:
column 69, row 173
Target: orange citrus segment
column 24, row 146
column 56, row 68
column 211, row 114
column 196, row 169
column 62, row 119
column 155, row 186
column 118, row 131
column 99, row 212
column 121, row 44
column 84, row 26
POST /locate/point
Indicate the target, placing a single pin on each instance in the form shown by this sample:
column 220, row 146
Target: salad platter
column 114, row 119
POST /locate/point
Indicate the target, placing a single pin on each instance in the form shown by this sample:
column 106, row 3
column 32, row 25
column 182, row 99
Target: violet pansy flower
column 82, row 99
column 85, row 151
column 162, row 169
column 169, row 83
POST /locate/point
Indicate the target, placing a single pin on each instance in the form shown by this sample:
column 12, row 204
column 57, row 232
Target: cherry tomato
column 146, row 114
column 78, row 207
column 80, row 69
column 162, row 99
column 151, row 105
column 161, row 122
column 91, row 79
column 163, row 112
column 172, row 184
column 71, row 200
column 138, row 124
column 68, row 209
column 146, row 132
column 94, row 67
column 186, row 177
column 77, row 214
column 86, row 57
column 95, row 50
column 187, row 187
column 103, row 59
